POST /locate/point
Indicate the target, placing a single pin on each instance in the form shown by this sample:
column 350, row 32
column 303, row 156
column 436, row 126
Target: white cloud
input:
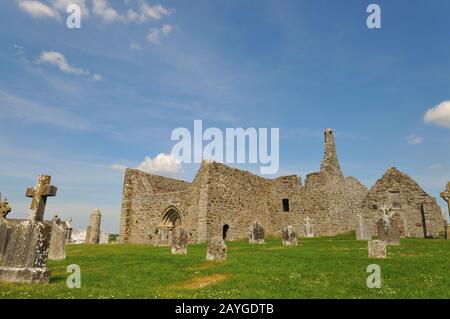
column 166, row 29
column 118, row 167
column 59, row 60
column 20, row 52
column 135, row 46
column 61, row 6
column 53, row 9
column 162, row 163
column 103, row 10
column 154, row 12
column 415, row 139
column 37, row 9
column 154, row 34
column 97, row 77
column 435, row 167
column 439, row 115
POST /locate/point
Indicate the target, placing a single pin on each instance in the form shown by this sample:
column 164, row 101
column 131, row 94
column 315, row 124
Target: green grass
column 316, row 268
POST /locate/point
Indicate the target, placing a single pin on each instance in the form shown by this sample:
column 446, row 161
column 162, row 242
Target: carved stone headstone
column 179, row 241
column 388, row 231
column 26, row 254
column 363, row 229
column 376, row 248
column 104, row 238
column 5, row 233
column 399, row 222
column 39, row 195
column 289, row 236
column 217, row 249
column 5, row 229
column 256, row 234
column 309, row 231
column 57, row 250
column 93, row 230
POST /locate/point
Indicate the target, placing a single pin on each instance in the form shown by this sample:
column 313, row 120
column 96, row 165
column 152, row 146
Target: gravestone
column 446, row 196
column 25, row 257
column 217, row 249
column 57, row 249
column 309, row 231
column 388, row 231
column 39, row 195
column 363, row 229
column 93, row 230
column 256, row 234
column 399, row 222
column 179, row 241
column 376, row 249
column 5, row 209
column 5, row 233
column 289, row 236
column 69, row 229
column 5, row 228
column 104, row 238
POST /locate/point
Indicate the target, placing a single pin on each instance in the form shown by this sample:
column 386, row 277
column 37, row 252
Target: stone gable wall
column 418, row 209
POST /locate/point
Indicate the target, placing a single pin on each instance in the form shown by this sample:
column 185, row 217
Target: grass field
column 316, row 268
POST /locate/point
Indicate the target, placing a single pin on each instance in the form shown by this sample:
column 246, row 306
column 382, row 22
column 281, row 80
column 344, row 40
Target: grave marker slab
column 217, row 249
column 289, row 236
column 26, row 254
column 256, row 234
column 179, row 241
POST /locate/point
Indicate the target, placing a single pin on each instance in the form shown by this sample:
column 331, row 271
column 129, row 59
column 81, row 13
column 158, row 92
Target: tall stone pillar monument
column 93, row 230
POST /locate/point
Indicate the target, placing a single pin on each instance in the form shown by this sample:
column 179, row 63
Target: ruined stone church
column 224, row 201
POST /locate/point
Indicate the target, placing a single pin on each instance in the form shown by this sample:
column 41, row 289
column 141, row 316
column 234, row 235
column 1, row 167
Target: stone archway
column 170, row 219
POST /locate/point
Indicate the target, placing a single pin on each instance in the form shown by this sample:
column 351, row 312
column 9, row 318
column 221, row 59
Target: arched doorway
column 225, row 231
column 170, row 219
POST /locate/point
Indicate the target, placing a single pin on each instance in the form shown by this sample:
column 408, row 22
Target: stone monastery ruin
column 223, row 201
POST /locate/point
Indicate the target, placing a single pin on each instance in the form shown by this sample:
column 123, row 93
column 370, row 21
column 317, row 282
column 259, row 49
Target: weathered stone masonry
column 223, row 201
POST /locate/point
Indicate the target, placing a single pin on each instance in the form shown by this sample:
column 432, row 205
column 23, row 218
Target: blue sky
column 73, row 102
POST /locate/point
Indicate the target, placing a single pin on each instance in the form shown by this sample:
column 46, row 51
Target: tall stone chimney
column 330, row 164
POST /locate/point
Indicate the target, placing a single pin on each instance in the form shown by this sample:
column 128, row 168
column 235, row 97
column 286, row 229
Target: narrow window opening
column 285, row 205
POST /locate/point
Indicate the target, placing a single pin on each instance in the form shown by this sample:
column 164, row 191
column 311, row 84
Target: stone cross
column 39, row 193
column 5, row 209
column 446, row 196
column 385, row 209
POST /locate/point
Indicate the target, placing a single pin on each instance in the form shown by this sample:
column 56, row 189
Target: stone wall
column 419, row 211
column 138, row 187
column 224, row 198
